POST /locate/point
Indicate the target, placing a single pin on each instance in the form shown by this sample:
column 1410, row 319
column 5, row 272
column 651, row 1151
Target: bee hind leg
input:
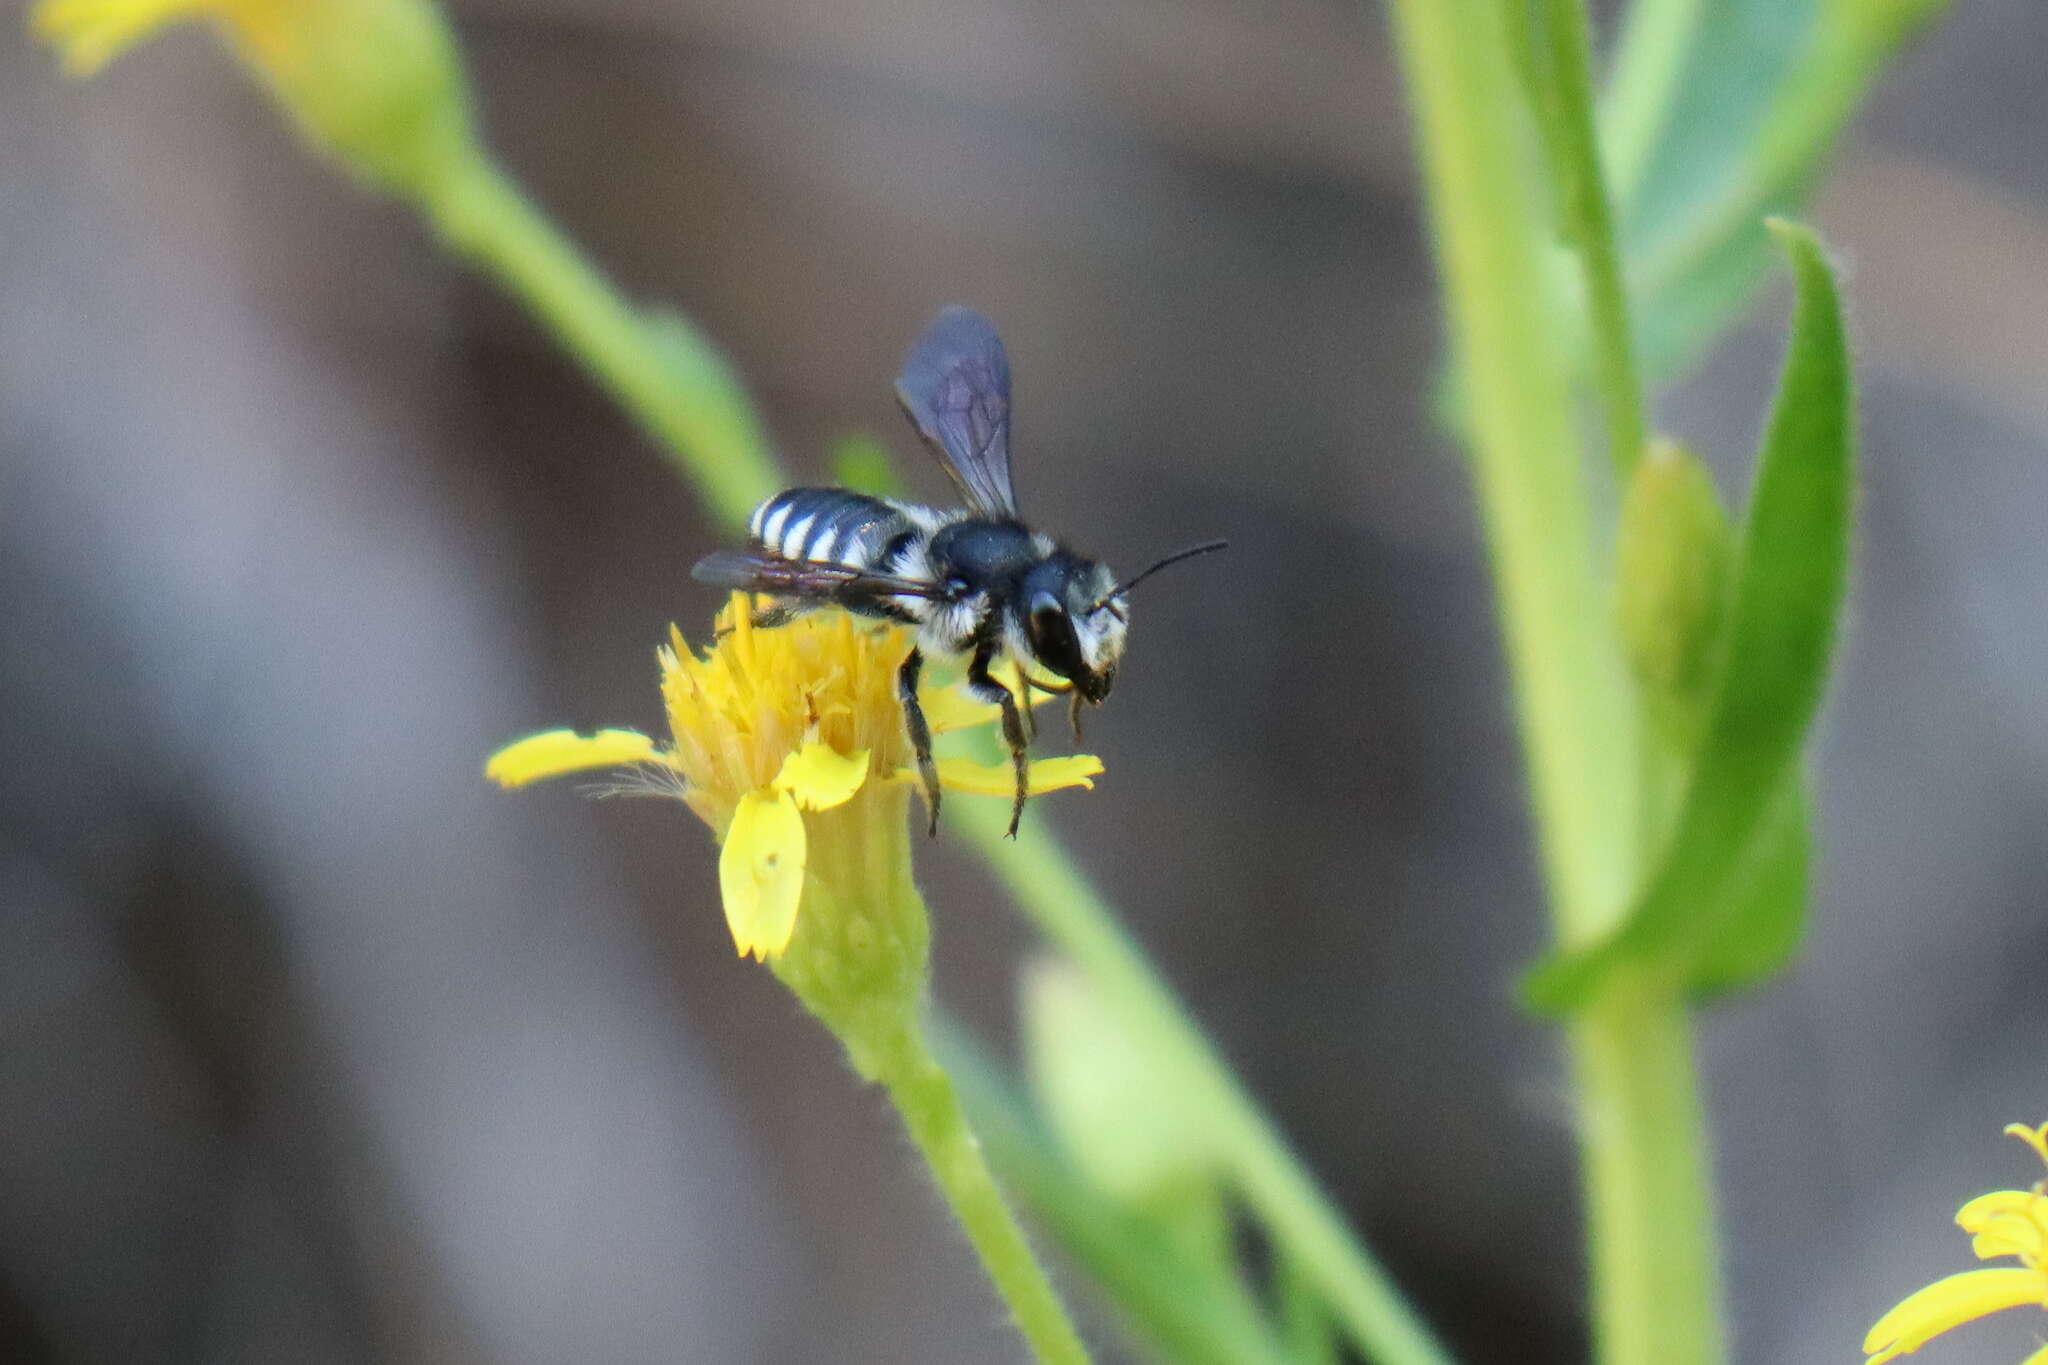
column 920, row 734
column 779, row 614
column 988, row 689
column 768, row 617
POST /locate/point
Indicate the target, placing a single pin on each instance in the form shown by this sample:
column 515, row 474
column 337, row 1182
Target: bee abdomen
column 827, row 525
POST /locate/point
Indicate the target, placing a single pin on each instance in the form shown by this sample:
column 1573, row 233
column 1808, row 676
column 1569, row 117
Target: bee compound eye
column 1046, row 615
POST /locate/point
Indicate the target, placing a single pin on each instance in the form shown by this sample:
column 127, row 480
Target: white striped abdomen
column 828, row 525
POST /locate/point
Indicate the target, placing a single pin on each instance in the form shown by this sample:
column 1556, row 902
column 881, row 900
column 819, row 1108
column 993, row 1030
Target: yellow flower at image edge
column 2003, row 1223
column 376, row 82
column 769, row 727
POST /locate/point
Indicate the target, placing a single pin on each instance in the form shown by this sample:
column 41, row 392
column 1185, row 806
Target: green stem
column 1189, row 1308
column 1652, row 1249
column 924, row 1096
column 1590, row 220
column 1304, row 1326
column 1270, row 1177
column 1572, row 696
column 859, row 960
column 1649, row 1214
column 659, row 367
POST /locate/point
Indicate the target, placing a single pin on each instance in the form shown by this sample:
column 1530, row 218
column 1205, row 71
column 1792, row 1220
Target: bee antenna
column 1124, row 588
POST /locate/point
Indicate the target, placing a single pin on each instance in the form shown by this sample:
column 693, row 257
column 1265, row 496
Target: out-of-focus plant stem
column 1651, row 1236
column 658, row 366
column 1589, row 215
column 1264, row 1170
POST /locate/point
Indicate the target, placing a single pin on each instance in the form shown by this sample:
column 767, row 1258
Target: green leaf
column 1767, row 903
column 1791, row 570
column 1722, row 114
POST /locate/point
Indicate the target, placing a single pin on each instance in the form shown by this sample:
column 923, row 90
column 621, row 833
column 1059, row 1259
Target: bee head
column 1069, row 623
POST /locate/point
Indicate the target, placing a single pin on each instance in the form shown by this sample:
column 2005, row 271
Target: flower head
column 376, row 82
column 789, row 743
column 2004, row 1223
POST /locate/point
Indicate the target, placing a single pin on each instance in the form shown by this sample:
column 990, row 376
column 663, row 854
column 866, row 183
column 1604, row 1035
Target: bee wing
column 752, row 571
column 955, row 388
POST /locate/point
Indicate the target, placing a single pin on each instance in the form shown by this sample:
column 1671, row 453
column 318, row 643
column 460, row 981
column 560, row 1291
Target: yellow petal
column 2005, row 1223
column 820, row 777
column 1972, row 1216
column 1947, row 1303
column 997, row 779
column 761, row 872
column 947, row 709
column 2037, row 1138
column 91, row 33
column 555, row 752
column 953, row 707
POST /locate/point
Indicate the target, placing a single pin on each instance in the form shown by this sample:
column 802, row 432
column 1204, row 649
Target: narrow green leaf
column 1767, row 903
column 1791, row 571
column 1704, row 146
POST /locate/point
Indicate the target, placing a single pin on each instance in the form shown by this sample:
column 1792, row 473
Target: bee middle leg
column 988, row 689
column 769, row 617
column 920, row 734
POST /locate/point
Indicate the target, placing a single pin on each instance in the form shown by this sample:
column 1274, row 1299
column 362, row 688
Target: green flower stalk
column 789, row 743
column 1650, row 1231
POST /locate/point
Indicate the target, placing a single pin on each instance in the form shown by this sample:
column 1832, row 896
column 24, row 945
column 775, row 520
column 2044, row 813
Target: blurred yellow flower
column 2003, row 1223
column 782, row 741
column 378, row 83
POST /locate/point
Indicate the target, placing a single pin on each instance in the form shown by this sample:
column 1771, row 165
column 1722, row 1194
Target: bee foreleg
column 1074, row 712
column 988, row 689
column 1024, row 706
column 920, row 734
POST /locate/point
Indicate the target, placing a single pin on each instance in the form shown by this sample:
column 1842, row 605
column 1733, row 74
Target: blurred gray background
column 315, row 1048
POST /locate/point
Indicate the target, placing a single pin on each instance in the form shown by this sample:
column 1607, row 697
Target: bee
column 975, row 581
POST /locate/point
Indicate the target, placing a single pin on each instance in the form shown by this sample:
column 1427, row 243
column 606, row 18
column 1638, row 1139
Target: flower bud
column 1672, row 556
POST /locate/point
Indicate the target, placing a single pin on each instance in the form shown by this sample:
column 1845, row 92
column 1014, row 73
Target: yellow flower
column 2003, row 1223
column 376, row 82
column 789, row 743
